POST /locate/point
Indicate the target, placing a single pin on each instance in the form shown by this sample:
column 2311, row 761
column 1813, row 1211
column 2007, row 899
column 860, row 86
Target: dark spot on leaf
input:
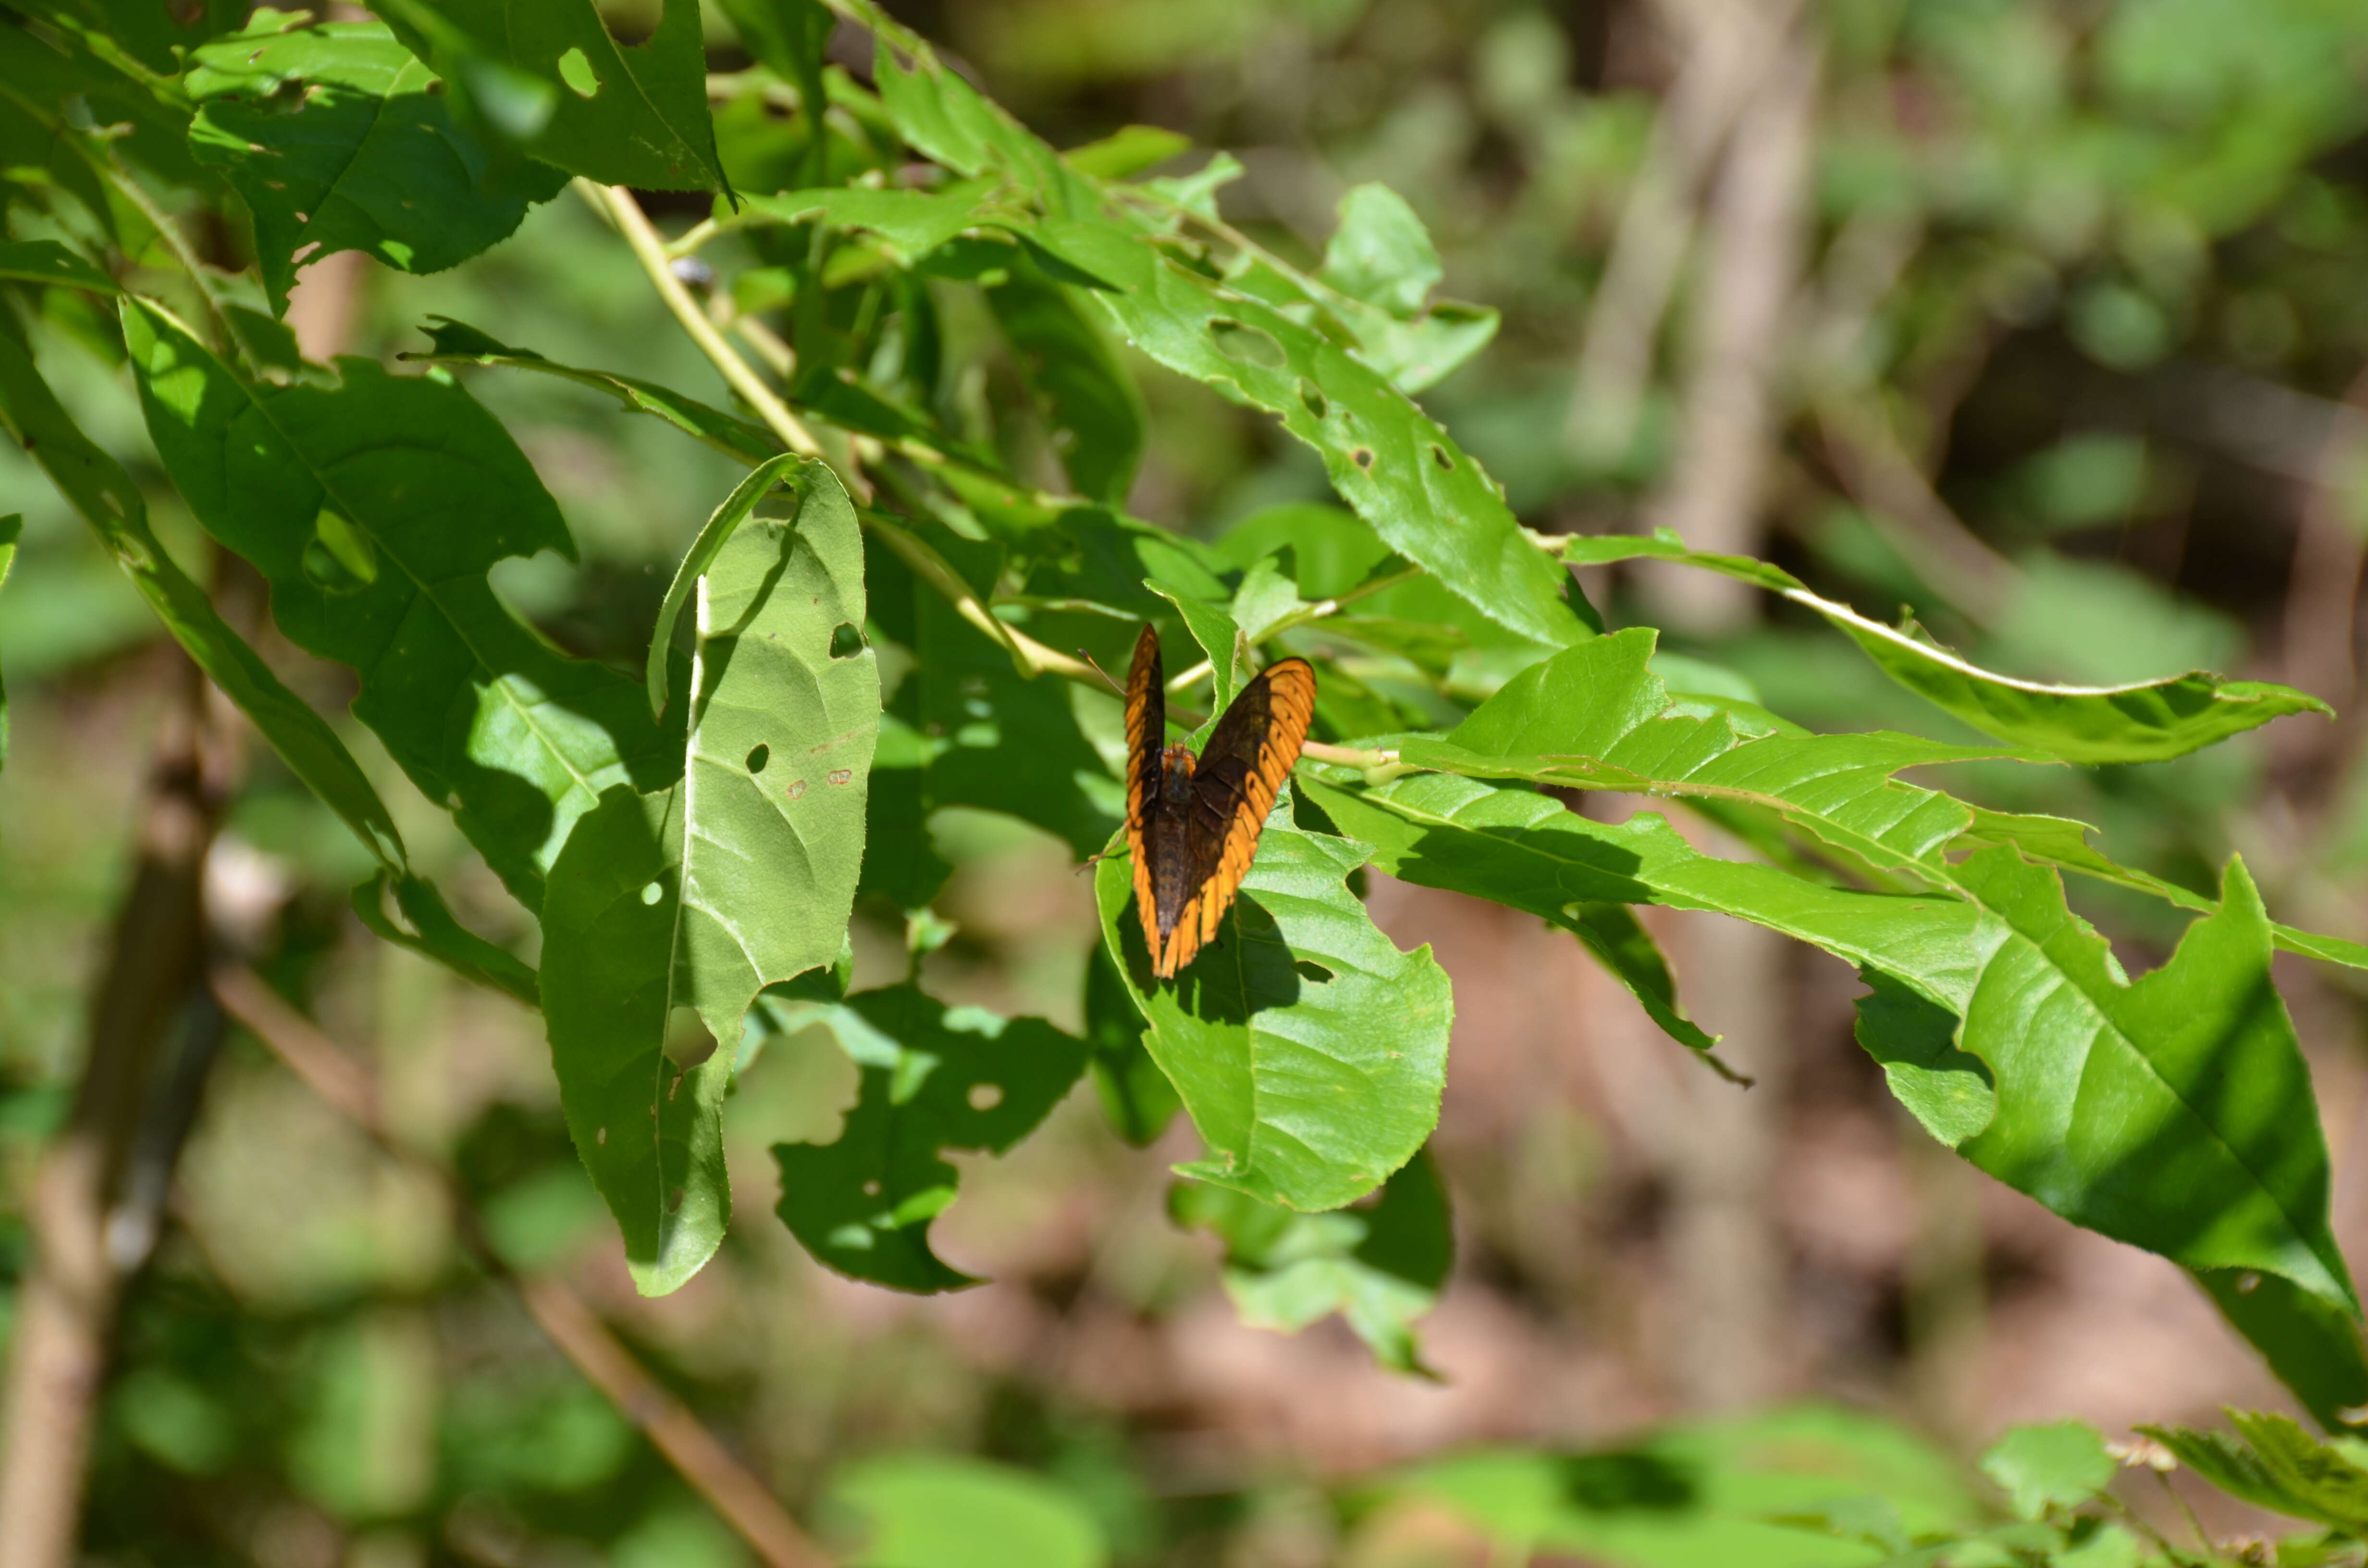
column 797, row 787
column 1313, row 973
column 675, row 1202
column 1317, row 402
column 762, row 755
column 1246, row 345
column 841, row 775
column 1439, row 455
column 1362, row 457
column 846, row 640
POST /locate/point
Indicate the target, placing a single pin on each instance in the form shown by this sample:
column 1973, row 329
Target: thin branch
column 345, row 1086
column 650, row 250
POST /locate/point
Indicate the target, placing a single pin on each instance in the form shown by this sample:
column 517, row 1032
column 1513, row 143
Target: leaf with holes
column 96, row 485
column 336, row 139
column 2149, row 721
column 1380, row 1266
column 375, row 508
column 1309, row 1051
column 548, row 75
column 934, row 1078
column 699, row 896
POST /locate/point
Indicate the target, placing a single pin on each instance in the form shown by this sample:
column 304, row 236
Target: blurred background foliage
column 2074, row 372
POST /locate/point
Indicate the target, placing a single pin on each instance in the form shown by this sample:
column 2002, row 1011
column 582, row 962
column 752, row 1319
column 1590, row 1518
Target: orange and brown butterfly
column 1193, row 822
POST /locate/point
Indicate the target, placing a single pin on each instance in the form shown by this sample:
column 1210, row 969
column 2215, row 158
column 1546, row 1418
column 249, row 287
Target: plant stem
column 650, row 250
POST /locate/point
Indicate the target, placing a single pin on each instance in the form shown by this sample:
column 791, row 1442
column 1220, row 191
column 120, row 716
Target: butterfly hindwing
column 1146, row 737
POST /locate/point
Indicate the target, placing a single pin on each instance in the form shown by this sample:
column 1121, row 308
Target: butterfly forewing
column 1250, row 753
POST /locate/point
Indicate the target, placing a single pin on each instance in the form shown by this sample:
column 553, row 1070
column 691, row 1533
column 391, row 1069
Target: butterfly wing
column 1250, row 753
column 1146, row 735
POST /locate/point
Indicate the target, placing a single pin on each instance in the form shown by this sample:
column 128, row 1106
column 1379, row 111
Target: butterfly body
column 1192, row 824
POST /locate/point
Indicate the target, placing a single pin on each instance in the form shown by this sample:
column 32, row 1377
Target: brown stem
column 347, row 1088
column 90, row 1229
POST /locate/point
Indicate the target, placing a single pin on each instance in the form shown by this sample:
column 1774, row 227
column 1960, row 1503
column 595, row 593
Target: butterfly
column 1194, row 823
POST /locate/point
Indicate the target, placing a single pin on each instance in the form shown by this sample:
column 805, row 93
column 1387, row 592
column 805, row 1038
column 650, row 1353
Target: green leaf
column 11, row 526
column 46, row 261
column 1095, row 414
column 1136, row 1096
column 909, row 223
column 2149, row 721
column 741, row 877
column 934, row 1078
column 1381, row 253
column 336, row 139
column 2272, row 1463
column 1381, row 1268
column 1621, row 944
column 1308, row 1049
column 1127, row 152
column 375, row 508
column 930, row 1511
column 98, row 487
column 457, row 343
column 792, row 38
column 410, row 912
column 1213, row 628
column 1424, row 496
column 549, row 76
column 2058, row 1466
column 2311, row 1344
column 2173, row 1112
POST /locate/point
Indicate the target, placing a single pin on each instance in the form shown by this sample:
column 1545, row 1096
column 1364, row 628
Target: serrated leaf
column 909, row 223
column 551, row 76
column 934, row 1078
column 2058, row 1466
column 457, row 343
column 410, row 912
column 96, row 485
column 698, row 897
column 1381, row 1268
column 1424, row 496
column 1308, row 1049
column 422, row 492
column 2270, row 1462
column 46, row 261
column 363, row 155
column 2148, row 722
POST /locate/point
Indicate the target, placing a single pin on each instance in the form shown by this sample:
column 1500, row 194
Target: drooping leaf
column 551, row 76
column 949, row 1512
column 1219, row 636
column 375, row 508
column 934, row 1078
column 98, row 487
column 335, row 138
column 457, row 343
column 1097, row 416
column 410, row 912
column 740, row 877
column 2150, row 721
column 1381, row 1268
column 2058, row 1466
column 1308, row 1049
column 688, row 574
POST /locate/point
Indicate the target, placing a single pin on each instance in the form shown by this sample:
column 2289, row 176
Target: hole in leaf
column 872, row 1189
column 577, row 73
column 687, row 1043
column 1313, row 973
column 1362, row 457
column 1246, row 345
column 985, row 1096
column 1315, row 402
column 846, row 640
column 1439, row 455
column 652, row 893
column 601, row 1138
column 758, row 758
column 339, row 559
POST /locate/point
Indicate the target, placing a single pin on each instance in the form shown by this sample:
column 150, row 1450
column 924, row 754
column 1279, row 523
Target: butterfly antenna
column 1114, row 686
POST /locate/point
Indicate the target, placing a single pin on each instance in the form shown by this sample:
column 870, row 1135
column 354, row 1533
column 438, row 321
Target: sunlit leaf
column 947, row 1512
column 410, row 912
column 2058, row 1466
